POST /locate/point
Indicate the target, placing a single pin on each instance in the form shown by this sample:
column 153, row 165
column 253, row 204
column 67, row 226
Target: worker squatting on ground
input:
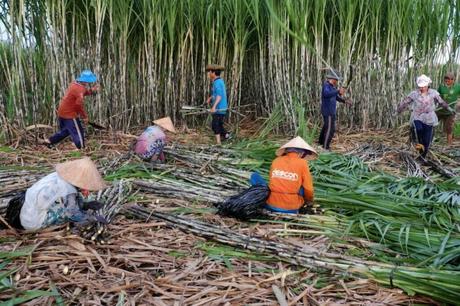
column 150, row 144
column 423, row 117
column 450, row 92
column 218, row 102
column 291, row 184
column 57, row 198
column 329, row 97
column 71, row 110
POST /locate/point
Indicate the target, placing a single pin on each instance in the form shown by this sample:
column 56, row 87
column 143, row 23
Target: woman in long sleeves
column 423, row 117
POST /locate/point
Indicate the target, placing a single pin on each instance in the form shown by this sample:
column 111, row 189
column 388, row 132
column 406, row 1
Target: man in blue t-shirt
column 329, row 97
column 218, row 102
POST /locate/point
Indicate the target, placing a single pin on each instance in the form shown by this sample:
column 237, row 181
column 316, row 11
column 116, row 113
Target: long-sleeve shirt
column 329, row 97
column 423, row 106
column 287, row 174
column 50, row 201
column 72, row 104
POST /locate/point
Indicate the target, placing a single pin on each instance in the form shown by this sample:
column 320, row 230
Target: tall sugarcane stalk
column 150, row 55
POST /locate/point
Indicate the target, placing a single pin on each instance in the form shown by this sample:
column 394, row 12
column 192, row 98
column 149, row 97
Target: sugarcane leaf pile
column 7, row 283
column 410, row 223
column 442, row 285
column 409, row 215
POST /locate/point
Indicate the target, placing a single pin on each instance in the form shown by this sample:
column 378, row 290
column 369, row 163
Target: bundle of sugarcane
column 187, row 110
column 113, row 199
column 183, row 190
column 117, row 162
column 412, row 166
column 443, row 285
column 245, row 205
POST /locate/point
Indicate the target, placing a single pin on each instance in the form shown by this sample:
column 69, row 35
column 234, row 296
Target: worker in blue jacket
column 330, row 94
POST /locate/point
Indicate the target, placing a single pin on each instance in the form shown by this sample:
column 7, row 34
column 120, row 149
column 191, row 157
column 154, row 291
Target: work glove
column 307, row 209
column 94, row 205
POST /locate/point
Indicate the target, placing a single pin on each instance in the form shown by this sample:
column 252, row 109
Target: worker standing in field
column 450, row 92
column 423, row 117
column 58, row 197
column 150, row 144
column 71, row 110
column 218, row 102
column 330, row 94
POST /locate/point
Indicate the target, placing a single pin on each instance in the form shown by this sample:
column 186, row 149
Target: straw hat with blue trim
column 87, row 76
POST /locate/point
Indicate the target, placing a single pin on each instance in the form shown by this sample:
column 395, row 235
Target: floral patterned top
column 423, row 106
column 151, row 142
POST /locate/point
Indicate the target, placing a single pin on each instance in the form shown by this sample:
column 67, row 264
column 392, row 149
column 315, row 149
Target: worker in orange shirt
column 71, row 110
column 291, row 184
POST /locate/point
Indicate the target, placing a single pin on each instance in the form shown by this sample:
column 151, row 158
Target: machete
column 97, row 126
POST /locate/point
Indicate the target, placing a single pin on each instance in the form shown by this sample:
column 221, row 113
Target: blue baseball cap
column 87, row 76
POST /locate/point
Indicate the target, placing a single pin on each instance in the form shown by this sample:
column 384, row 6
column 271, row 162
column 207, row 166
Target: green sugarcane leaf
column 27, row 296
column 442, row 248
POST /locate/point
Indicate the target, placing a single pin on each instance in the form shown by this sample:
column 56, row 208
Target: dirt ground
column 151, row 263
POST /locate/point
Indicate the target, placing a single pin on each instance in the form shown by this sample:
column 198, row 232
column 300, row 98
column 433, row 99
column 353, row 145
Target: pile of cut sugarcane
column 410, row 222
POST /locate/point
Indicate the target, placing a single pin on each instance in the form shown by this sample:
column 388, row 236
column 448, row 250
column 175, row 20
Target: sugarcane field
column 229, row 152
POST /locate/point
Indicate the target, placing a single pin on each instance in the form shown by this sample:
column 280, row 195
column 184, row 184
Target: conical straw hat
column 298, row 143
column 81, row 173
column 165, row 123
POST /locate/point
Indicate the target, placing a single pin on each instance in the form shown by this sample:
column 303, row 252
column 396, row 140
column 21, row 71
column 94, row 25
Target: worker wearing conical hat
column 291, row 183
column 71, row 110
column 150, row 144
column 57, row 197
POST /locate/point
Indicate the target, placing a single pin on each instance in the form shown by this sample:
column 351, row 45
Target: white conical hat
column 81, row 173
column 165, row 123
column 298, row 143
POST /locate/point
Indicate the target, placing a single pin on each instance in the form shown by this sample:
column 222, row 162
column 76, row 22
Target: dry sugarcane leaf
column 76, row 245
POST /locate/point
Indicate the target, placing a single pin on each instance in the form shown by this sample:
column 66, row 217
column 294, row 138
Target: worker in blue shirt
column 218, row 102
column 329, row 97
